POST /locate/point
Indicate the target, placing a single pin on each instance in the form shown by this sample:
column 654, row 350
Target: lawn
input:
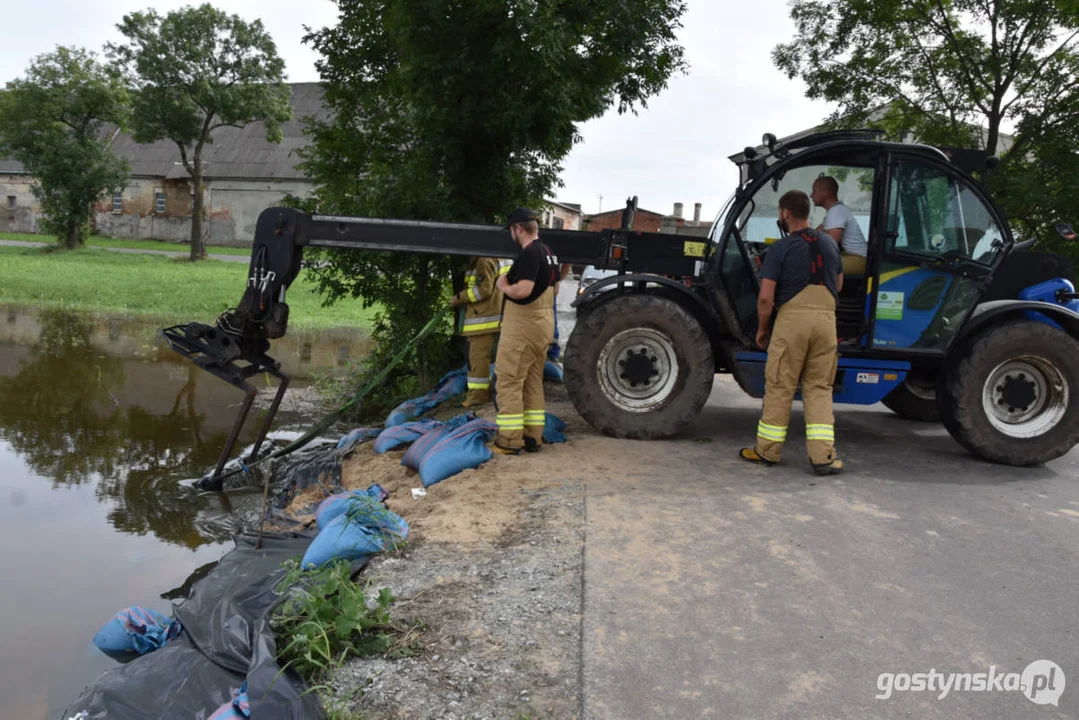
column 171, row 289
column 103, row 242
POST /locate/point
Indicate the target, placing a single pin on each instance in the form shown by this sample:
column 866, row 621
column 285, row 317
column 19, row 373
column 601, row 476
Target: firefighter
column 527, row 332
column 482, row 303
column 802, row 276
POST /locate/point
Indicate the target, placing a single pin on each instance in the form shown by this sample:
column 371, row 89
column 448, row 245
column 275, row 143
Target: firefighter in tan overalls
column 801, row 276
column 482, row 303
column 527, row 332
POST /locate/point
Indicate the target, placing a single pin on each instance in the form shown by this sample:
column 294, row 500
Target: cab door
column 941, row 241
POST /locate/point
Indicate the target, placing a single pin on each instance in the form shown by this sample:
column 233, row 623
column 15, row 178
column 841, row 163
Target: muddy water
column 98, row 426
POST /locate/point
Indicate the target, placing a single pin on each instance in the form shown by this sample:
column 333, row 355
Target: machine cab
column 933, row 237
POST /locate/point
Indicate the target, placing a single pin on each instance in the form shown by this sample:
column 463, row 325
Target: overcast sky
column 674, row 151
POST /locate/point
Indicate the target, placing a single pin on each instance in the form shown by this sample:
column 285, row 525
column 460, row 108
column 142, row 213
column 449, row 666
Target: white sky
column 674, row 151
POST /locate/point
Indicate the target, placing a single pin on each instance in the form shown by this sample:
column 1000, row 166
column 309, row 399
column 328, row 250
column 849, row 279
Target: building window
column 159, row 202
column 117, row 203
column 11, row 200
column 558, row 222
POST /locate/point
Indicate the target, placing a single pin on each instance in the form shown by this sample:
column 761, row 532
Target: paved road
column 134, row 251
column 715, row 589
column 718, row 589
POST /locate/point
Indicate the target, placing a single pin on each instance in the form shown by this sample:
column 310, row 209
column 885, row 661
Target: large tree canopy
column 460, row 111
column 196, row 70
column 56, row 121
column 960, row 73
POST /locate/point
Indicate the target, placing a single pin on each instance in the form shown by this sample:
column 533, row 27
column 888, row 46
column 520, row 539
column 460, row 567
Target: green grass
column 153, row 286
column 103, row 242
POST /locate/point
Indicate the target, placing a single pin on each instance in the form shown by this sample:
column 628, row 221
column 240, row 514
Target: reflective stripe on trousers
column 802, row 351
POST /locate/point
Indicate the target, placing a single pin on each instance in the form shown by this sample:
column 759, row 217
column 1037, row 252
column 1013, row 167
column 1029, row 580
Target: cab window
column 933, row 214
column 758, row 220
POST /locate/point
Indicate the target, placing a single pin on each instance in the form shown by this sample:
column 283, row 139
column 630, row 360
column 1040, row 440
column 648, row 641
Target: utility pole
column 600, row 203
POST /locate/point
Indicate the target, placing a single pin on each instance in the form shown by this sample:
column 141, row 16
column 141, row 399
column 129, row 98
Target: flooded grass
column 172, row 289
column 103, row 242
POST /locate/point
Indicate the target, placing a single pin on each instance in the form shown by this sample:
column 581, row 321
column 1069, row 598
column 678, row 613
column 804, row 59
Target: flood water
column 99, row 423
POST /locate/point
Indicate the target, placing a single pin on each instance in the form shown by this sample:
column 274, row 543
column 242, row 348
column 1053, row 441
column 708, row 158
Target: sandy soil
column 493, row 570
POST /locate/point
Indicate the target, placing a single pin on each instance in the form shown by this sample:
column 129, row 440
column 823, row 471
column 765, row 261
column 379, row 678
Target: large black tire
column 914, row 399
column 1011, row 394
column 627, row 393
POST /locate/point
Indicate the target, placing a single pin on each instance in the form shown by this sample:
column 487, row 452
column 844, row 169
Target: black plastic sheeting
column 226, row 640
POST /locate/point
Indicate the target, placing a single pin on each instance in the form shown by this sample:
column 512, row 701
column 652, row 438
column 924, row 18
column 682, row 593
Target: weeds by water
column 329, row 619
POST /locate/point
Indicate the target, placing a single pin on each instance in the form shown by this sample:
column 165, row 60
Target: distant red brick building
column 644, row 220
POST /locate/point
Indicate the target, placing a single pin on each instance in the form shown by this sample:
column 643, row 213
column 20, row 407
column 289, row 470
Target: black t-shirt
column 538, row 264
column 789, row 262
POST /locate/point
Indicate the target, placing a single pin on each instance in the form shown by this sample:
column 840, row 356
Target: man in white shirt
column 839, row 222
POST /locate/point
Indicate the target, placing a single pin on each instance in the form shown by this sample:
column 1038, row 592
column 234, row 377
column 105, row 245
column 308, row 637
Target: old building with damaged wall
column 243, row 175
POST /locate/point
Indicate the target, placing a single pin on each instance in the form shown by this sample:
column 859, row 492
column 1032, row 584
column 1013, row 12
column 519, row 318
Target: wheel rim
column 1025, row 397
column 638, row 369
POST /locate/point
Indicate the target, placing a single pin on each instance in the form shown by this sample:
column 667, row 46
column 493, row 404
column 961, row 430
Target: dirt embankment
column 493, row 571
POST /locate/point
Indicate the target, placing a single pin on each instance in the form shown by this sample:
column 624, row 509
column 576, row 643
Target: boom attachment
column 236, row 347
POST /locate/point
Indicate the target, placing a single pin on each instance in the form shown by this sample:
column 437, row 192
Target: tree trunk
column 73, row 240
column 198, row 249
column 993, row 136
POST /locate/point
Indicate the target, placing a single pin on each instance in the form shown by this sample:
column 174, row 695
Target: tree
column 58, row 122
column 194, row 71
column 443, row 110
column 957, row 73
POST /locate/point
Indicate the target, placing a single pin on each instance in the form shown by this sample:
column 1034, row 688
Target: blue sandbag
column 460, row 449
column 135, row 631
column 337, row 504
column 365, row 529
column 553, row 428
column 394, row 437
column 238, row 709
column 451, row 384
column 415, row 454
column 347, row 442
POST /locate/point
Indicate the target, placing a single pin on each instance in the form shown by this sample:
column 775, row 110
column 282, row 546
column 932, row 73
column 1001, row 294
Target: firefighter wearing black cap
column 801, row 276
column 527, row 332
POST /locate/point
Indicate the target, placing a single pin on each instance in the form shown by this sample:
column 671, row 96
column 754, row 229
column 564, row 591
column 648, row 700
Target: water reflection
column 62, row 412
column 130, row 425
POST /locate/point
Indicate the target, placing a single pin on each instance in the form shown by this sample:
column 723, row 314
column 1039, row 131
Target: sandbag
column 238, row 709
column 337, row 504
column 421, row 446
column 365, row 528
column 135, row 631
column 394, row 437
column 451, row 384
column 553, row 429
column 349, row 441
column 457, row 450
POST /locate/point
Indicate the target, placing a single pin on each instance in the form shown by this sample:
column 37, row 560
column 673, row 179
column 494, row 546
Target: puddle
column 98, row 425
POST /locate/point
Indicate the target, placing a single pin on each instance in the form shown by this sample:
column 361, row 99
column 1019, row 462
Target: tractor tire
column 914, row 400
column 638, row 366
column 1011, row 394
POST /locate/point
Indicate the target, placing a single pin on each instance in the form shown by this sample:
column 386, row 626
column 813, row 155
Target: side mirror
column 1066, row 231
